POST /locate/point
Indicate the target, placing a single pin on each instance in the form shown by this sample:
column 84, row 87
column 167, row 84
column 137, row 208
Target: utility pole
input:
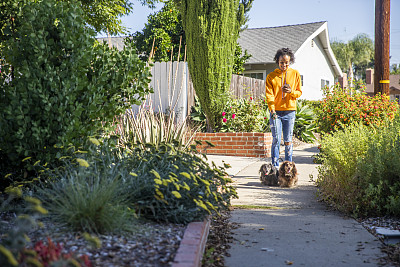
column 382, row 46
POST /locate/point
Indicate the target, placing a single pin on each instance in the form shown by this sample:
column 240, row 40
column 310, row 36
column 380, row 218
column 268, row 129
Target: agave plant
column 148, row 126
column 305, row 126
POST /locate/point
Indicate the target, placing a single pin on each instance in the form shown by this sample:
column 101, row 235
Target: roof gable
column 262, row 43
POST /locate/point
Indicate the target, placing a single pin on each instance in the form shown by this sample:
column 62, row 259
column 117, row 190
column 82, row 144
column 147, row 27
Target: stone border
column 191, row 248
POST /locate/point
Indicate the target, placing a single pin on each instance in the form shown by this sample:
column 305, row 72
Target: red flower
column 224, row 120
column 223, row 113
column 233, row 116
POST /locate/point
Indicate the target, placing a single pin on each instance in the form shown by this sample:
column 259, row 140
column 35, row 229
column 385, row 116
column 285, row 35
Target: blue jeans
column 284, row 122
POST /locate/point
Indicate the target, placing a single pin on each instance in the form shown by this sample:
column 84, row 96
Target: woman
column 282, row 88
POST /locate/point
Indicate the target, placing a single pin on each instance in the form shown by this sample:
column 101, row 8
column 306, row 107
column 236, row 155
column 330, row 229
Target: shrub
column 360, row 171
column 60, row 86
column 87, row 192
column 197, row 116
column 14, row 250
column 168, row 184
column 379, row 170
column 338, row 109
column 147, row 126
column 305, row 125
column 339, row 155
column 245, row 115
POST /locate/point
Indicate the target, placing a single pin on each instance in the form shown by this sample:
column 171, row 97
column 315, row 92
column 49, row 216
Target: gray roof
column 262, row 43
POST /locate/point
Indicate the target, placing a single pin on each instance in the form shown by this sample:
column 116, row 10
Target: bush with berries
column 339, row 109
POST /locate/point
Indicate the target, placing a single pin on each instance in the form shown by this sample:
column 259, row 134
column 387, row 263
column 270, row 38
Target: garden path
column 281, row 226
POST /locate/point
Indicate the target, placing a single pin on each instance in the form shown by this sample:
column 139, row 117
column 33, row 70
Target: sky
column 346, row 18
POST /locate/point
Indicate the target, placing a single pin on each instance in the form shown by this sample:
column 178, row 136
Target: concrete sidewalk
column 293, row 228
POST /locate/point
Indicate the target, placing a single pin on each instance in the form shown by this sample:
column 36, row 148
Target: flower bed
column 236, row 144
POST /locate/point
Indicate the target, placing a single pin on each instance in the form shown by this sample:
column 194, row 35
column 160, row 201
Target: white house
column 314, row 58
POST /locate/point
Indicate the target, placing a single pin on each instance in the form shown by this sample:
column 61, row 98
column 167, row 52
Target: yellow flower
column 25, row 159
column 80, row 151
column 94, row 141
column 9, row 256
column 158, row 192
column 185, row 185
column 15, row 191
column 185, row 174
column 177, row 186
column 32, row 200
column 93, row 241
column 133, row 174
column 155, row 173
column 201, row 205
column 158, row 181
column 40, row 209
column 27, row 238
column 176, row 194
column 7, row 175
column 82, row 162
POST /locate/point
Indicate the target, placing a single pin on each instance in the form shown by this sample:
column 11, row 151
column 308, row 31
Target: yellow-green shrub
column 360, row 169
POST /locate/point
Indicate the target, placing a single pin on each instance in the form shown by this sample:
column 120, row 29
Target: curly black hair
column 284, row 52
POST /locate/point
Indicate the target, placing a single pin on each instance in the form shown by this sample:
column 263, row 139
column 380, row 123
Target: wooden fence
column 242, row 86
column 173, row 88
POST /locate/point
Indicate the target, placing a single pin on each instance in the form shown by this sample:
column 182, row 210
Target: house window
column 324, row 83
column 255, row 75
column 301, row 77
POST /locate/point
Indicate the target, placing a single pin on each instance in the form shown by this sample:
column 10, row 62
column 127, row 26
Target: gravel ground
column 393, row 251
column 152, row 245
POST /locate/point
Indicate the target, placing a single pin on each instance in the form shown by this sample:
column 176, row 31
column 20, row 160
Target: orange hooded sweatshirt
column 276, row 99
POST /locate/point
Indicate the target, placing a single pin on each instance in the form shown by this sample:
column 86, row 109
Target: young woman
column 282, row 88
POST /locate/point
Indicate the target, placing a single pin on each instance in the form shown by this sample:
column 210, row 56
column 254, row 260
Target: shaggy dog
column 287, row 174
column 268, row 174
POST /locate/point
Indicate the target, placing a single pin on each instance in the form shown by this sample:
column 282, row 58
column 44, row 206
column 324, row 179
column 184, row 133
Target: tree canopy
column 165, row 29
column 356, row 55
column 101, row 15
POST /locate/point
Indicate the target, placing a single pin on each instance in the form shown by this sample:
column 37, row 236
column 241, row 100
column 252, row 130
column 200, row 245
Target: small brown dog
column 268, row 175
column 287, row 174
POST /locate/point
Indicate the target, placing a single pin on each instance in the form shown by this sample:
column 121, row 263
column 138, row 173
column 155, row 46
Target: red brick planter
column 236, row 144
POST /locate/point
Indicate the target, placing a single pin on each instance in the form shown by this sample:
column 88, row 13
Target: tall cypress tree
column 211, row 28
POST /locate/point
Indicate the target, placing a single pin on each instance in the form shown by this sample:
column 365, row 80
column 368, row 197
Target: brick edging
column 191, row 248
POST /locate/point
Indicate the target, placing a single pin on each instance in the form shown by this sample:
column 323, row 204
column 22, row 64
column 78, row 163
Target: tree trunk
column 351, row 78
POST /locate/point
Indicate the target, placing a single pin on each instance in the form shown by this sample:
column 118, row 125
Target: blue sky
column 346, row 18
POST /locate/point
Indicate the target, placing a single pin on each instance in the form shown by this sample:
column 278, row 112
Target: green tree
column 165, row 29
column 57, row 86
column 354, row 56
column 212, row 29
column 101, row 15
column 395, row 69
